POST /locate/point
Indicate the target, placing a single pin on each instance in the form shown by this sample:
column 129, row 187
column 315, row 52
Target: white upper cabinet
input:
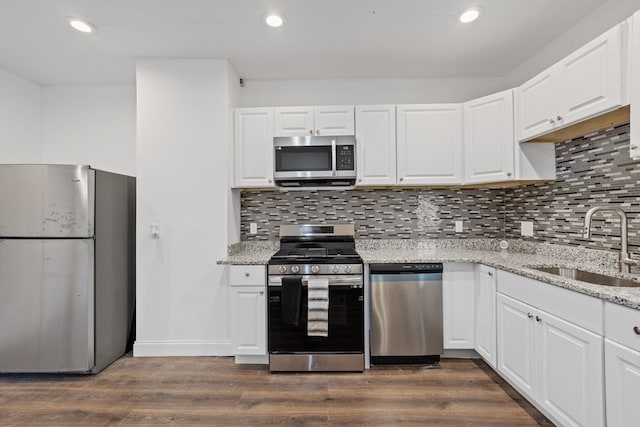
column 294, row 121
column 429, row 145
column 324, row 121
column 634, row 83
column 334, row 120
column 376, row 144
column 586, row 83
column 489, row 139
column 590, row 79
column 537, row 105
column 253, row 147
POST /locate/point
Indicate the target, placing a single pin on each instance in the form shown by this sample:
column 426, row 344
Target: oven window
column 304, row 158
column 346, row 324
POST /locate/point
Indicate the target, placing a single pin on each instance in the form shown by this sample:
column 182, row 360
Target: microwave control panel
column 345, row 157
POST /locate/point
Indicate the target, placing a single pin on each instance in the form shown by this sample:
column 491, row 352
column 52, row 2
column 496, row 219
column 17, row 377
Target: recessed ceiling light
column 81, row 25
column 470, row 14
column 274, row 20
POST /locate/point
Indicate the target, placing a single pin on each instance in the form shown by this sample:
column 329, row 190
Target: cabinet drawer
column 580, row 309
column 247, row 275
column 619, row 324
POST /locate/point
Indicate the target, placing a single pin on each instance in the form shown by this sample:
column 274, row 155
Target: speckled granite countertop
column 519, row 260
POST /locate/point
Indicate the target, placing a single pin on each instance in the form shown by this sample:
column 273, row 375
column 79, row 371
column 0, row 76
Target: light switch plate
column 253, row 228
column 526, row 228
column 459, row 226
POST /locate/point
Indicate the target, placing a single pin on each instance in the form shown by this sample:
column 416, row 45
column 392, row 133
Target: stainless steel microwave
column 315, row 161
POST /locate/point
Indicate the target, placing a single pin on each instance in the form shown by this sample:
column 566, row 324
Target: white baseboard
column 252, row 360
column 454, row 353
column 181, row 348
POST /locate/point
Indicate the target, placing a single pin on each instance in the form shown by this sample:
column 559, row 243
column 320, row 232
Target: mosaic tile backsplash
column 592, row 170
column 378, row 214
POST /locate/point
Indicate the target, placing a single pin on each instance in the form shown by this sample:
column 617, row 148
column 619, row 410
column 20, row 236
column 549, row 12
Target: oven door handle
column 354, row 282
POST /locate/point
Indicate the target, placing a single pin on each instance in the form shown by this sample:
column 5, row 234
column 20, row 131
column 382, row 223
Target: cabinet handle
column 538, row 318
column 636, row 330
column 261, row 292
column 508, row 173
column 310, row 131
column 360, row 180
column 559, row 118
column 552, row 121
column 269, row 181
column 633, row 147
column 317, row 131
column 490, row 273
column 401, row 179
column 247, row 274
column 529, row 315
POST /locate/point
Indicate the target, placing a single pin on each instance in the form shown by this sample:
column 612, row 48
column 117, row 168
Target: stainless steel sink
column 585, row 276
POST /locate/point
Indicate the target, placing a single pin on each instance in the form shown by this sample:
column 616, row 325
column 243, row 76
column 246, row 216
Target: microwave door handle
column 333, row 157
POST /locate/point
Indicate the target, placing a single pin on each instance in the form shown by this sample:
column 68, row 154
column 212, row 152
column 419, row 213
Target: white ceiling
column 320, row 39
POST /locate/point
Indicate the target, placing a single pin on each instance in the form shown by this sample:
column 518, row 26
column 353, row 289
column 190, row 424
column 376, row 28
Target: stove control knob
column 315, row 269
column 334, row 269
column 282, row 269
column 347, row 269
column 295, row 269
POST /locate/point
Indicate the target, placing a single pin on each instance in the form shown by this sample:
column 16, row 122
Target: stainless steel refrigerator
column 67, row 267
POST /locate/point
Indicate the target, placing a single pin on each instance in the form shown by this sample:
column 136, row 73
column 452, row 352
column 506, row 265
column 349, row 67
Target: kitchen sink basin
column 586, row 276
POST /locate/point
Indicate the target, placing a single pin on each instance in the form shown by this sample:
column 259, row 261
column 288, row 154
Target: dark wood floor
column 215, row 391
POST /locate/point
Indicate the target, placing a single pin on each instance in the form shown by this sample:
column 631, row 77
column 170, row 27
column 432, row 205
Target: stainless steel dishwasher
column 406, row 313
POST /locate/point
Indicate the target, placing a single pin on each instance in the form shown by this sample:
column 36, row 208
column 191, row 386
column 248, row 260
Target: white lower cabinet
column 622, row 367
column 458, row 306
column 622, row 364
column 555, row 363
column 248, row 310
column 571, row 379
column 485, row 313
column 516, row 343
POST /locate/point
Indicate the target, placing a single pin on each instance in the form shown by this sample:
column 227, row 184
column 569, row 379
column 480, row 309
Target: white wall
column 233, row 232
column 183, row 143
column 20, row 119
column 91, row 124
column 265, row 93
column 605, row 16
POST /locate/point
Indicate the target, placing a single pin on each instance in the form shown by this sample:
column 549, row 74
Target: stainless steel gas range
column 316, row 300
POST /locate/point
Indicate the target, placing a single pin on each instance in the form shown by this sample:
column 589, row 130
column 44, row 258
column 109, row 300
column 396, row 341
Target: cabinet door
column 249, row 329
column 489, row 139
column 376, row 144
column 622, row 372
column 430, row 144
column 516, row 343
column 537, row 105
column 590, row 79
column 485, row 313
column 294, row 121
column 334, row 120
column 634, row 89
column 458, row 306
column 571, row 372
column 253, row 147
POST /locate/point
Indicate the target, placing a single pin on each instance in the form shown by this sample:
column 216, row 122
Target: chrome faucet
column 625, row 259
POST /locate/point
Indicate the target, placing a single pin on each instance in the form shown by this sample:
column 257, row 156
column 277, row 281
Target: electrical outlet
column 526, row 228
column 253, row 228
column 459, row 226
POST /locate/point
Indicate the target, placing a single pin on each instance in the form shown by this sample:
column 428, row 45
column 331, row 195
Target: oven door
column 345, row 324
column 294, row 161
